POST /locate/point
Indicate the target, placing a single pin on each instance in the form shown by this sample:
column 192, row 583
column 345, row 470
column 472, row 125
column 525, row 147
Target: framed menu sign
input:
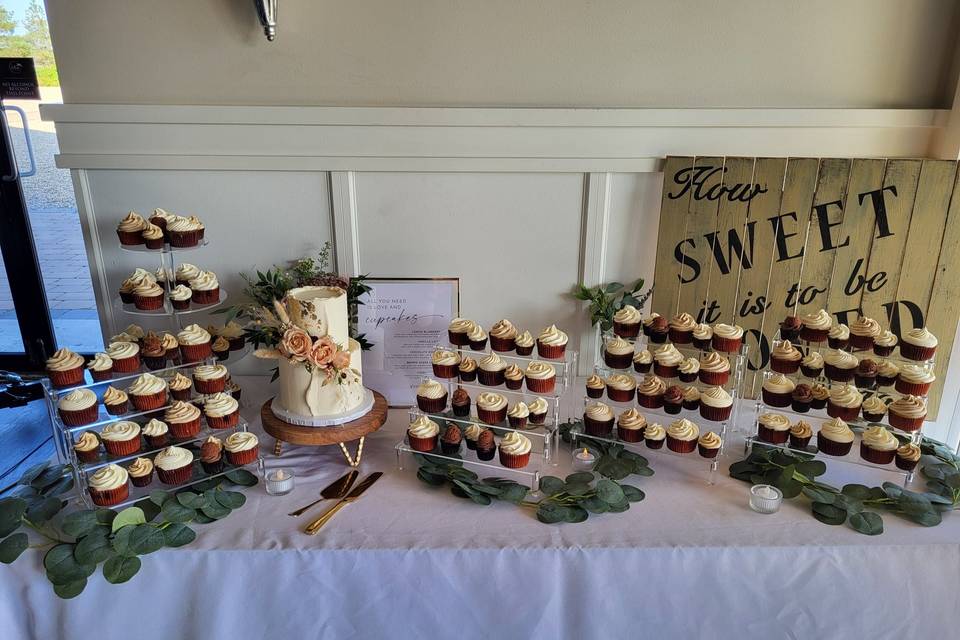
column 404, row 318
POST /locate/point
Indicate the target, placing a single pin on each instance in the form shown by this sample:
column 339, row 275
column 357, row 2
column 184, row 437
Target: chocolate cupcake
column 654, row 436
column 785, row 358
column 691, row 398
column 703, row 336
column 626, row 322
column 680, row 328
column 800, row 435
column 839, row 336
column 630, row 426
column 160, row 218
column 617, row 353
column 451, row 439
column 642, row 361
column 513, row 377
column 811, row 365
column 518, row 415
column 820, row 396
column 790, row 328
column 598, row 420
column 152, row 352
column 648, row 322
column 874, row 408
column 595, row 386
column 773, row 428
column 835, row 438
column 486, row 445
column 907, row 457
column 709, row 445
column 673, row 399
column 141, row 472
column 460, row 403
column 467, row 369
column 689, row 369
column 801, row 398
column 865, row 375
column 658, row 330
column 445, row 363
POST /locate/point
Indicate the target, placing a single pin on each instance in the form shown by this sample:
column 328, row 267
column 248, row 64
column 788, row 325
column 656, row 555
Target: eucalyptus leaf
column 619, row 507
column 145, row 539
column 643, row 471
column 549, row 513
column 49, row 477
column 178, row 535
column 632, row 493
column 867, row 522
column 158, row 497
column 790, row 488
column 577, row 489
column 105, row 516
column 215, row 511
column 119, row 569
column 514, row 493
column 430, row 478
column 12, row 546
column 11, row 514
column 150, row 509
column 575, row 514
column 812, row 468
column 929, row 518
column 200, row 518
column 241, row 477
column 94, row 548
column 828, row 514
column 582, row 477
column 593, row 504
column 848, row 504
column 609, row 491
column 80, row 523
column 190, row 500
column 230, row 499
column 127, row 517
column 62, row 567
column 70, row 589
column 31, row 474
column 173, row 511
column 551, row 485
column 858, row 491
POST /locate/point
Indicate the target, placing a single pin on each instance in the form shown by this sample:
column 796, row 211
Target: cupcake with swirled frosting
column 115, row 401
column 184, row 232
column 595, row 386
column 491, row 407
column 715, row 404
column 621, row 387
column 148, row 296
column 156, row 432
column 183, row 419
column 691, row 398
column 839, row 336
column 457, row 331
column 647, row 322
column 630, row 426
column 785, row 358
column 148, row 392
column 682, row 436
column 125, row 356
column 221, row 410
column 800, row 434
column 887, row 373
column 538, row 411
column 650, row 392
column 445, row 363
column 109, row 485
column 431, row 396
column 654, row 436
column 490, row 371
column 141, row 472
column 681, row 328
column 101, row 367
column 777, row 390
column 914, row 380
column 467, row 369
column 840, row 366
column 703, row 336
column 186, row 272
column 552, row 343
column 812, row 365
column 174, row 465
column 844, row 402
column 666, row 361
column 617, row 353
column 907, row 413
column 642, row 361
column 626, row 321
column 727, row 337
column 541, row 377
column 714, row 369
column 907, row 457
column 835, row 438
column 78, row 407
column 874, row 408
column 205, row 288
column 132, row 282
column 423, row 434
column 515, row 450
column 814, row 327
column 180, row 297
column 688, row 369
column 194, row 343
column 658, row 330
column 862, row 332
column 773, row 428
column 598, row 419
column 513, row 377
column 87, row 447
column 130, row 229
column 502, row 335
column 820, row 395
column 709, row 444
column 477, row 337
column 524, row 343
column 180, row 386
column 65, row 368
column 885, row 343
column 153, row 236
column 242, row 447
column 878, row 445
column 160, row 218
column 121, row 438
column 918, row 344
column 518, row 415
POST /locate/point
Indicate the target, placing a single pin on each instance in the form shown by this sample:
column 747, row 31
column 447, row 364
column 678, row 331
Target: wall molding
column 346, row 228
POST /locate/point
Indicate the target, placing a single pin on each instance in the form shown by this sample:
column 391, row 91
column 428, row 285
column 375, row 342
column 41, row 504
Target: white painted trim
column 346, row 238
column 91, row 240
column 596, row 221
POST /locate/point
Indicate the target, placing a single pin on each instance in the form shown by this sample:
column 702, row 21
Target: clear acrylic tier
column 566, row 367
column 167, row 248
column 168, row 310
column 824, row 347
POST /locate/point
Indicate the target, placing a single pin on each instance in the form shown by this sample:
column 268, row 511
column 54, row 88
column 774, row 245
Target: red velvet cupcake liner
column 491, row 417
column 772, row 435
column 601, row 428
column 912, row 388
column 542, row 385
column 691, row 405
column 537, row 418
column 774, row 399
column 831, row 448
column 155, row 362
column 122, row 447
column 422, row 444
column 714, row 378
column 811, row 372
column 117, row 408
column 551, row 351
column 617, row 360
column 458, row 339
column 882, row 350
column 468, row 376
column 813, row 335
column 799, row 443
column 835, row 343
column 130, row 238
column 727, row 345
column 621, row 395
column 905, row 424
column 861, row 342
column 513, row 384
column 432, row 405
column 183, row 430
column 650, row 402
column 490, row 378
column 653, row 444
column 837, row 374
column 906, row 465
column 127, row 365
column 148, row 303
column 524, row 351
column 157, row 442
column 678, row 336
column 707, row 453
column 176, row 476
column 184, row 239
column 626, row 330
column 517, row 423
column 154, row 243
column 630, row 435
column 110, row 497
column 703, row 344
column 79, row 417
column 916, row 353
column 658, row 337
column 206, row 296
column 142, row 481
column 181, row 394
column 150, row 402
column 445, row 370
column 246, row 456
column 594, row 393
column 875, row 455
column 665, row 371
column 511, row 461
column 784, row 366
column 180, row 305
column 215, row 385
column 101, row 376
column 66, row 378
column 195, row 352
column 715, row 414
column 93, row 455
column 680, row 446
column 502, row 344
column 224, row 422
column 846, row 414
column 642, row 367
column 478, row 345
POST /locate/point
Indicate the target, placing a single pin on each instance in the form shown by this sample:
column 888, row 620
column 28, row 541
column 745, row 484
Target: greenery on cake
column 606, row 300
column 77, row 543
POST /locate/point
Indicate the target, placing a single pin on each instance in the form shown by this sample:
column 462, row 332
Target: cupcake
column 460, row 401
column 115, row 401
column 160, row 218
column 844, row 402
column 727, row 338
column 887, row 373
column 835, row 438
column 457, row 331
column 172, row 347
column 621, row 387
column 125, row 356
column 205, row 288
column 87, row 447
column 715, row 404
column 865, row 375
column 801, row 398
column 680, row 328
column 130, row 229
column 709, row 444
column 907, row 457
column 148, row 392
column 513, row 377
column 777, row 390
column 132, row 333
column 157, row 433
column 121, row 438
column 467, row 369
column 691, row 398
column 714, row 369
column 477, row 337
column 598, row 420
column 907, row 413
column 914, row 380
column 470, row 434
column 184, row 232
column 153, row 354
column 815, row 327
column 211, row 455
column 595, row 386
column 221, row 348
column 183, row 419
column 486, row 445
column 541, row 377
column 800, row 434
column 491, row 407
column 773, row 428
column 630, row 426
column 885, row 343
column 221, row 411
column 790, row 328
column 820, row 396
column 617, row 353
column 918, row 344
column 862, row 332
column 518, row 415
column 524, row 343
column 812, row 365
column 650, row 392
column 138, row 277
column 626, row 322
column 785, row 358
column 234, row 334
column 502, row 335
column 839, row 366
column 153, row 236
column 666, row 361
column 673, row 399
column 873, row 409
column 878, row 445
column 109, row 486
column 210, row 378
column 839, row 336
column 642, row 361
column 703, row 336
column 451, row 439
column 148, row 296
column 491, row 370
column 242, row 448
column 233, row 389
column 654, row 436
column 65, row 368
column 186, row 272
column 101, row 367
column 174, row 465
column 446, row 364
column 659, row 329
column 552, row 343
column 141, row 472
column 682, row 436
column 647, row 323
column 515, row 450
column 179, row 386
column 689, row 370
column 194, row 343
column 538, row 411
column 77, row 408
column 180, row 297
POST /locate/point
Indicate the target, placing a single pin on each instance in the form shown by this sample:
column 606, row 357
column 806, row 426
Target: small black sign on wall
column 18, row 79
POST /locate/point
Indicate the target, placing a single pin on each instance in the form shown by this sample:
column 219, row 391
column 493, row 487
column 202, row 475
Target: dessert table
column 412, row 561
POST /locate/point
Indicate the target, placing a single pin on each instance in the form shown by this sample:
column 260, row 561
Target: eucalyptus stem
column 41, row 531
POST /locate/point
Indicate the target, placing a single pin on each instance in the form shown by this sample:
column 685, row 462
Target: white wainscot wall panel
column 513, row 239
column 254, row 220
column 634, row 220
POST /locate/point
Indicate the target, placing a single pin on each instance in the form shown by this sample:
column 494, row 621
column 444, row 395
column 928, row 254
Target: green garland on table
column 796, row 474
column 569, row 499
column 84, row 539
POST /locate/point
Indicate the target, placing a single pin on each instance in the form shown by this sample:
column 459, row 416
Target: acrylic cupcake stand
column 816, row 417
column 734, row 386
column 544, row 438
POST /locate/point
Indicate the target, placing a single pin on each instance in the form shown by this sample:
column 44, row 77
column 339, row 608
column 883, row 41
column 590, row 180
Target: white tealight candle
column 279, row 482
column 583, row 460
column 765, row 498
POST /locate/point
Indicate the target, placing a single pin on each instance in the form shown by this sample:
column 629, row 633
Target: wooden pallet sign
column 752, row 240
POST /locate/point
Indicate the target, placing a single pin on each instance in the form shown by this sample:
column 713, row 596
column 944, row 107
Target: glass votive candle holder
column 765, row 498
column 279, row 482
column 583, row 460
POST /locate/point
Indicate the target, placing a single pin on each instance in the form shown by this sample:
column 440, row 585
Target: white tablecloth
column 406, row 561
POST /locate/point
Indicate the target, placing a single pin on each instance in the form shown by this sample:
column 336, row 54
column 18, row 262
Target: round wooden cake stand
column 321, row 436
